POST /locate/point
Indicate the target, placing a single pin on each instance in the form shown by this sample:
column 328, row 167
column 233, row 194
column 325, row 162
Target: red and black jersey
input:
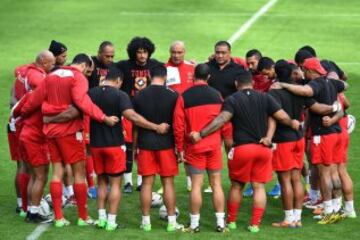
column 195, row 109
column 326, row 92
column 156, row 104
column 136, row 77
column 99, row 73
column 112, row 102
column 250, row 110
column 223, row 80
column 294, row 106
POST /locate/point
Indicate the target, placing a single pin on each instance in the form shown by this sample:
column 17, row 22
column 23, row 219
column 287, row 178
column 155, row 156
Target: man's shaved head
column 177, row 52
column 177, row 43
column 46, row 60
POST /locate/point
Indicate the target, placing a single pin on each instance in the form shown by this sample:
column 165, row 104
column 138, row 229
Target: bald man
column 33, row 139
column 180, row 72
column 180, row 75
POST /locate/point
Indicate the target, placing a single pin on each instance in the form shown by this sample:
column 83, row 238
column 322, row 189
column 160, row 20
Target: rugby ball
column 163, row 212
column 351, row 123
column 47, row 198
column 44, row 208
column 156, row 200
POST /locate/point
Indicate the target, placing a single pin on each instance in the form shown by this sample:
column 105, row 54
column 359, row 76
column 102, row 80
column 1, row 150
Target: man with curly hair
column 136, row 77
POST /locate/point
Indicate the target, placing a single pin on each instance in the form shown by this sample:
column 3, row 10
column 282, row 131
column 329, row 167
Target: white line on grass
column 236, row 14
column 251, row 21
column 40, row 229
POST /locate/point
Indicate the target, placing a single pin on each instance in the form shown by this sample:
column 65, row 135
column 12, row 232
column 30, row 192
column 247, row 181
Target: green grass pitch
column 27, row 27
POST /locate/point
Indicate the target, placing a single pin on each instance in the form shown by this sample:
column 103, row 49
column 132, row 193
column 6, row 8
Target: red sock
column 23, row 181
column 80, row 191
column 232, row 211
column 257, row 214
column 56, row 197
column 89, row 171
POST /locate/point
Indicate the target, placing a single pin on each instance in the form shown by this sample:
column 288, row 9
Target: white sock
column 69, row 191
column 102, row 214
column 188, row 181
column 145, row 220
column 34, row 209
column 289, row 215
column 128, row 178
column 220, row 219
column 297, row 215
column 307, row 179
column 172, row 219
column 19, row 202
column 139, row 180
column 349, row 206
column 314, row 195
column 336, row 204
column 111, row 218
column 194, row 220
column 328, row 207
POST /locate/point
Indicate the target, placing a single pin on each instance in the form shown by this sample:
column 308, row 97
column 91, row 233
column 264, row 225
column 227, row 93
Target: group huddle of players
column 97, row 115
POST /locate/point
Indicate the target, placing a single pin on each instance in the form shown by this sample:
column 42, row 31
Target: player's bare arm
column 140, row 121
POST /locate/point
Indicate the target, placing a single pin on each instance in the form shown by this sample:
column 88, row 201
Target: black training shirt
column 223, row 80
column 99, row 73
column 250, row 110
column 135, row 76
column 112, row 102
column 156, row 104
column 293, row 105
column 325, row 91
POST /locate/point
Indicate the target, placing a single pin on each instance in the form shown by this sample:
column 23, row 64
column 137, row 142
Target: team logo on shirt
column 140, row 83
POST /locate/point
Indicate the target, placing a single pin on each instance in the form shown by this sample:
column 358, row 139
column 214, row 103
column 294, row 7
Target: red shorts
column 109, row 160
column 87, row 129
column 250, row 163
column 209, row 160
column 37, row 153
column 162, row 162
column 13, row 141
column 326, row 149
column 127, row 126
column 289, row 155
column 68, row 149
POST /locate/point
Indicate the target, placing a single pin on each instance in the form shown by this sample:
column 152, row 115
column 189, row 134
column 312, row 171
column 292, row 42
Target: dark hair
column 202, row 71
column 82, row 58
column 158, row 71
column 105, row 44
column 243, row 77
column 265, row 63
column 283, row 71
column 301, row 55
column 114, row 73
column 223, row 43
column 309, row 49
column 254, row 52
column 140, row 43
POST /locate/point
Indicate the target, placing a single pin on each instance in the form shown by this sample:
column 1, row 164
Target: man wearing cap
column 60, row 52
column 325, row 146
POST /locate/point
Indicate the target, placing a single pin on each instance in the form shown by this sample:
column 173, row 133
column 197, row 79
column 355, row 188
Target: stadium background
column 27, row 27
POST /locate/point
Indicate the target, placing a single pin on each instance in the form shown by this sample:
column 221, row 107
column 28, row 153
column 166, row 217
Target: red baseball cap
column 315, row 65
